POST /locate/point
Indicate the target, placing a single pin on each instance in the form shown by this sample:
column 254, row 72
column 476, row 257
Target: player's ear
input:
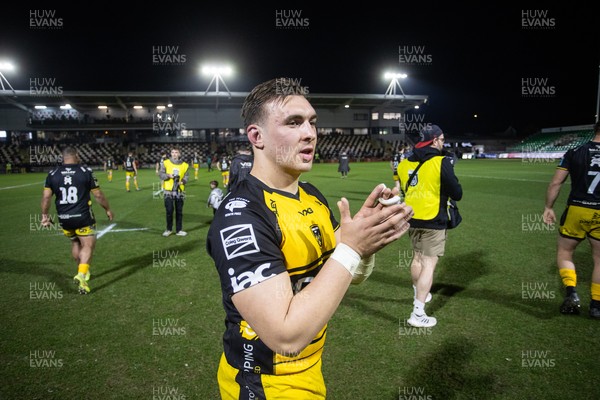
column 255, row 136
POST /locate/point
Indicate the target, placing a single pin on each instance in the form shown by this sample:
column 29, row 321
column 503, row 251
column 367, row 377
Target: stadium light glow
column 66, row 107
column 40, row 107
column 102, row 107
column 6, row 66
column 394, row 78
column 137, row 107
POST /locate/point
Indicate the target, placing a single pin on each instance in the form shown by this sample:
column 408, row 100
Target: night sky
column 513, row 67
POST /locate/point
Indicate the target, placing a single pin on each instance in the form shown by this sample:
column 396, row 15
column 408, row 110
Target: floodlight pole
column 2, row 80
column 216, row 78
column 391, row 90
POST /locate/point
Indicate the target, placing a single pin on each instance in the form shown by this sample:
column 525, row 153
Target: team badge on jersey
column 317, row 233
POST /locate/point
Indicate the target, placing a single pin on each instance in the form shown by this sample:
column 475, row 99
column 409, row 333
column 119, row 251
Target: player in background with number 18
column 72, row 184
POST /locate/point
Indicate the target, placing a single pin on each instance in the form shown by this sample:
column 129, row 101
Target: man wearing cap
column 432, row 182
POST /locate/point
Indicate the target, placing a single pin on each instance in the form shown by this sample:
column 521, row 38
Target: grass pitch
column 151, row 327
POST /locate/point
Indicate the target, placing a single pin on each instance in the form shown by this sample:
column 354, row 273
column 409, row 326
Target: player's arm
column 46, row 200
column 289, row 324
column 560, row 176
column 101, row 199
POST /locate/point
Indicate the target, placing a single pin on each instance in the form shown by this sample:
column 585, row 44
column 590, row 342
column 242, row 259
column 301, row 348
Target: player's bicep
column 265, row 305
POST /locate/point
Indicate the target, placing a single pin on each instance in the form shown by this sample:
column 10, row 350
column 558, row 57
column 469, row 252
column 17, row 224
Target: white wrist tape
column 346, row 256
column 364, row 270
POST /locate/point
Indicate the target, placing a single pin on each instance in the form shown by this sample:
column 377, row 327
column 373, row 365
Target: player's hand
column 549, row 216
column 46, row 220
column 110, row 215
column 374, row 226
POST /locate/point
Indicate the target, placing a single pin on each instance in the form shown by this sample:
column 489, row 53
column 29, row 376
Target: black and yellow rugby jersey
column 583, row 165
column 129, row 164
column 396, row 158
column 71, row 184
column 259, row 232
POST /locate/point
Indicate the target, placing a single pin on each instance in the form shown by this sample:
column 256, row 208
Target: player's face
column 290, row 134
column 175, row 154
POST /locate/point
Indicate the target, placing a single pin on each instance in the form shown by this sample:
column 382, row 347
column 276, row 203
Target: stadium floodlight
column 394, row 77
column 8, row 67
column 217, row 72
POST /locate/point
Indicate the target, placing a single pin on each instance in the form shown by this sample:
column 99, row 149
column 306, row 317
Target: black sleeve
column 244, row 245
column 450, row 185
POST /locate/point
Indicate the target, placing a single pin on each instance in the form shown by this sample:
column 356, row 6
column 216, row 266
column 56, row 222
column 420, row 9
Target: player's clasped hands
column 375, row 225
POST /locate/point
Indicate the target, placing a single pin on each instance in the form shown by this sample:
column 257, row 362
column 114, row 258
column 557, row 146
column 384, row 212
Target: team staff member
column 579, row 220
column 174, row 174
column 72, row 184
column 130, row 166
column 284, row 261
column 428, row 192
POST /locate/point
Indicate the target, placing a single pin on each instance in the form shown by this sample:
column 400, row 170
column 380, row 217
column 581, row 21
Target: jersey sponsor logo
column 306, row 212
column 235, row 203
column 67, row 171
column 248, row 278
column 239, row 240
column 595, row 160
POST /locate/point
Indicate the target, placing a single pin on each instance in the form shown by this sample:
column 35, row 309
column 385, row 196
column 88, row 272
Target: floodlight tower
column 217, row 73
column 6, row 66
column 394, row 77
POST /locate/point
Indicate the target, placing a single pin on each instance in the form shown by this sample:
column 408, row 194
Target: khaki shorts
column 429, row 242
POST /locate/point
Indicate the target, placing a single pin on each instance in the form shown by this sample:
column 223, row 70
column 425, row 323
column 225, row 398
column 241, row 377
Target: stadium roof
column 84, row 100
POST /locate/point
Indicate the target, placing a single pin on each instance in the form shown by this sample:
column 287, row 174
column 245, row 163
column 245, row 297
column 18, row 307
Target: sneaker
column 595, row 309
column 570, row 305
column 80, row 280
column 167, row 233
column 181, row 233
column 421, row 321
column 427, row 299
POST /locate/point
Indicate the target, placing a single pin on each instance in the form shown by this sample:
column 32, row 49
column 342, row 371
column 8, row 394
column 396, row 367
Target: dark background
column 479, row 55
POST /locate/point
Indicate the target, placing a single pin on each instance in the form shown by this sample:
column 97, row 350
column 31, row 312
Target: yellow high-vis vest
column 174, row 169
column 424, row 191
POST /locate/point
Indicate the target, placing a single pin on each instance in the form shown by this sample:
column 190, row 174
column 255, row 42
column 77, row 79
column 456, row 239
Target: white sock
column 418, row 307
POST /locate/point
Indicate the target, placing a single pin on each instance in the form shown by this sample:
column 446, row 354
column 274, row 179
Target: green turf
column 152, row 325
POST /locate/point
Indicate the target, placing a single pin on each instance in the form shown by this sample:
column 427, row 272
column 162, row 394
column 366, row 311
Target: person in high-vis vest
column 427, row 193
column 174, row 174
